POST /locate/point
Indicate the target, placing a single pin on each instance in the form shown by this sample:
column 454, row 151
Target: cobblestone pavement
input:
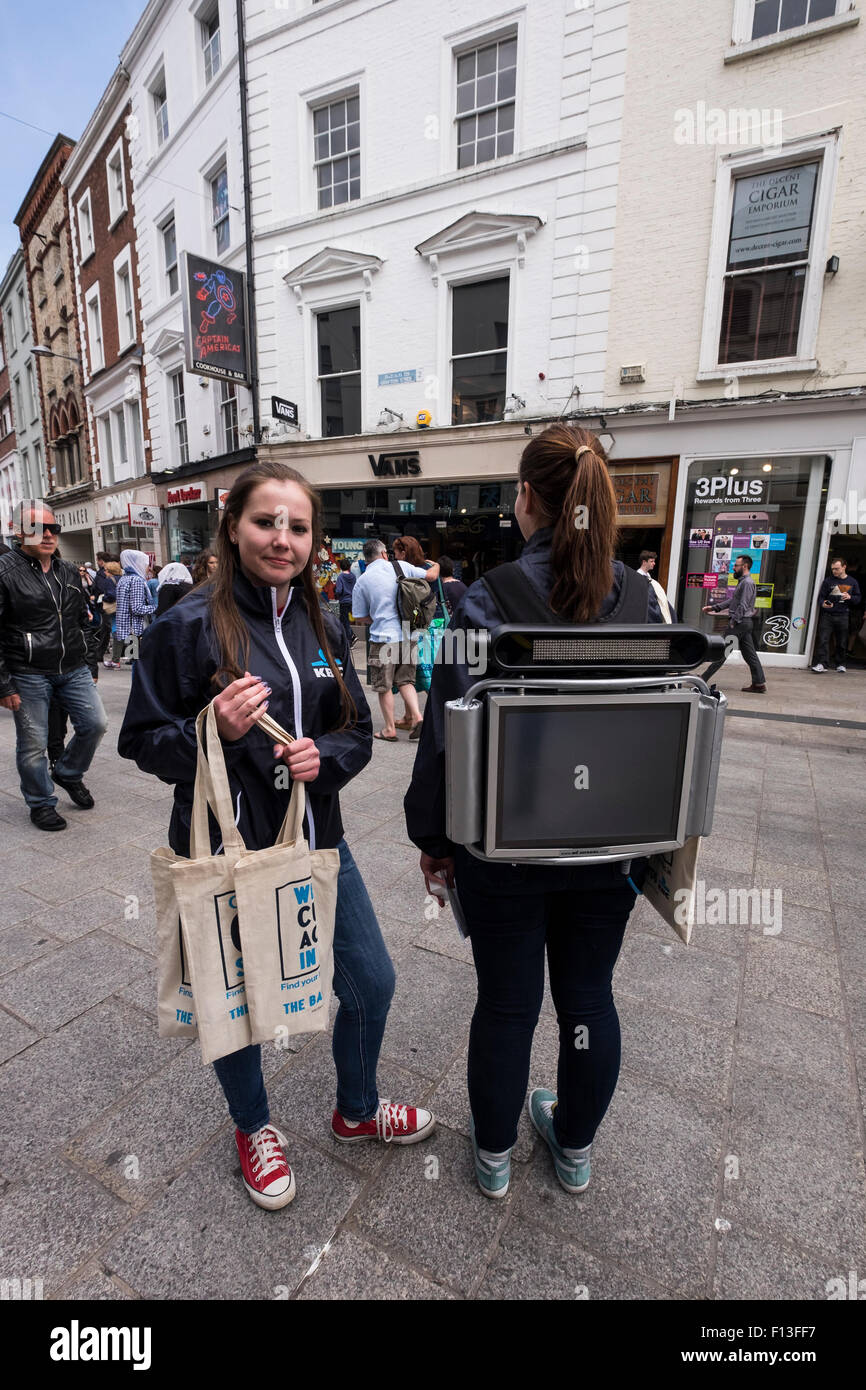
column 730, row 1164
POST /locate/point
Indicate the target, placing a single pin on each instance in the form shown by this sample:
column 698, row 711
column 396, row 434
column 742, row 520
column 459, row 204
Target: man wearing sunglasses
column 43, row 620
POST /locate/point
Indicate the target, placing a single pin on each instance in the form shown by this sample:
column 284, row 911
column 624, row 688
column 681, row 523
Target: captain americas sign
column 214, row 319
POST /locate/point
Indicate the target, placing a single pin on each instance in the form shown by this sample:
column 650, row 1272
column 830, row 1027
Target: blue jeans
column 364, row 984
column 579, row 916
column 77, row 694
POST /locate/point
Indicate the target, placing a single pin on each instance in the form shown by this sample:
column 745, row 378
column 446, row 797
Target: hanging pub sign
column 214, row 319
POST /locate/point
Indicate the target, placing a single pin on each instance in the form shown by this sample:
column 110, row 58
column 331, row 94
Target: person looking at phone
column 836, row 596
column 741, row 620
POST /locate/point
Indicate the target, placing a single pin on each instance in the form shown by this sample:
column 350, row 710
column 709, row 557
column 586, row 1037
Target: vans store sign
column 406, row 464
column 708, row 491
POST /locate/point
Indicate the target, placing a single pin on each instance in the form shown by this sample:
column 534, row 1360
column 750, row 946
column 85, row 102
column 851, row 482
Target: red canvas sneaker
column 265, row 1170
column 395, row 1124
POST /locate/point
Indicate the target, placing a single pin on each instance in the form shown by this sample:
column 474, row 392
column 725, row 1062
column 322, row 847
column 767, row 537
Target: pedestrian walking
column 838, row 594
column 646, row 565
column 516, row 912
column 742, row 613
column 134, row 608
column 204, row 566
column 153, row 582
column 452, row 588
column 391, row 660
column 43, row 653
column 262, row 614
column 105, row 597
column 343, row 590
column 175, row 580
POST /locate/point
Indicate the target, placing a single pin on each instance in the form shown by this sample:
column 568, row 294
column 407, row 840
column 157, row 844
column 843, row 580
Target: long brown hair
column 232, row 635
column 565, row 480
column 412, row 552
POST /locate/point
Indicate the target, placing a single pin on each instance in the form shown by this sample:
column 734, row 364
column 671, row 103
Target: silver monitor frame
column 499, row 702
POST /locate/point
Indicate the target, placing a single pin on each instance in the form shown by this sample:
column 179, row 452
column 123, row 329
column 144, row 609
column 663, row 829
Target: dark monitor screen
column 600, row 774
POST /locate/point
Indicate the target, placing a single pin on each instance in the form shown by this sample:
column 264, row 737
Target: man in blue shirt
column 391, row 660
column 836, row 597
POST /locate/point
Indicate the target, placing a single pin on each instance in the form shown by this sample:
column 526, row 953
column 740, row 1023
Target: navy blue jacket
column 172, row 682
column 424, row 802
column 839, row 606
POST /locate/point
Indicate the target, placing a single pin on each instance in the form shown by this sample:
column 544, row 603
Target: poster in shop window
column 214, row 319
column 772, row 216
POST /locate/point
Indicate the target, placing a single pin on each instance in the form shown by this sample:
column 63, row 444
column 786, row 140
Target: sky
column 57, row 60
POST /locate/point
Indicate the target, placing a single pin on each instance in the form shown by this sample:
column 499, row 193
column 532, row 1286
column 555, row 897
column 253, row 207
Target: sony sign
column 727, row 489
column 406, row 464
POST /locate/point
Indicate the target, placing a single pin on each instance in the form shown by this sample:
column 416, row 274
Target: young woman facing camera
column 260, row 614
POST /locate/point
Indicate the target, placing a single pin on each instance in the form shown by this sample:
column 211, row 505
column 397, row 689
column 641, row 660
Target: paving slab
column 803, row 1045
column 666, row 1047
column 93, row 1285
column 650, row 1203
column 63, row 1082
column 52, row 1223
column 431, row 1010
column 58, row 987
column 752, row 1265
column 21, row 944
column 14, row 1036
column 80, row 916
column 433, row 1212
column 352, row 1268
column 700, row 983
column 788, row 973
column 524, row 1267
column 204, row 1239
column 778, row 1124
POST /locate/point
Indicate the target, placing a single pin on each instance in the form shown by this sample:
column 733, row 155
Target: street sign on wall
column 214, row 319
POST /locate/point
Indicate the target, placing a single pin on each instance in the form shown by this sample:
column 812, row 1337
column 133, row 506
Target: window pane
column 485, row 149
column 354, row 188
column 170, row 244
column 486, row 124
column 172, row 280
column 320, row 120
column 486, row 91
column 323, row 174
column 486, row 60
column 793, row 13
column 340, row 340
column 354, row 166
column 505, row 143
column 465, row 156
column 341, row 405
column 220, row 192
column 507, row 81
column 479, row 389
column 761, row 315
column 320, row 146
column 341, row 170
column 505, row 118
column 353, row 109
column 480, row 316
column 324, row 197
column 466, row 67
column 341, row 193
column 338, row 140
column 821, row 9
column 766, row 19
column 353, row 138
column 465, row 97
column 508, row 53
column 222, row 236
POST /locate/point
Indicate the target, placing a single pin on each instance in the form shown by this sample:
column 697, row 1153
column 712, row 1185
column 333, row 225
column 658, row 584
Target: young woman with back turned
column 515, row 912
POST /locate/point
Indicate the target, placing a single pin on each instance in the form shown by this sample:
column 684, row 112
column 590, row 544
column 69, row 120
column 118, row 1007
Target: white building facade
column 736, row 348
column 422, row 231
column 185, row 150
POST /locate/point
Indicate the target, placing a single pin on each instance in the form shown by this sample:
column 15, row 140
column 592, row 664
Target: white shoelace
column 268, row 1152
column 390, row 1118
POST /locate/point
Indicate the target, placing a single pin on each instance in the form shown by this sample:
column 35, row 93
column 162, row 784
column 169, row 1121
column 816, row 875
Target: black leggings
column 513, row 915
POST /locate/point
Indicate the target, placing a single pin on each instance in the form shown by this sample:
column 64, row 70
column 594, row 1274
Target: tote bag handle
column 212, row 787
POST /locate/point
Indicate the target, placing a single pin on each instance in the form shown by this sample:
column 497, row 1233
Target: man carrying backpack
column 375, row 600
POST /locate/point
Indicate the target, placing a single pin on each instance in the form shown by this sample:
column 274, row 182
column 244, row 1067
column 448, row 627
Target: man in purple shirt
column 741, row 620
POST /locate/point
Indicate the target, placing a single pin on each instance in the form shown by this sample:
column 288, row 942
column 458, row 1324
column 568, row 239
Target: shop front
column 770, row 508
column 129, row 519
column 76, row 538
column 192, row 519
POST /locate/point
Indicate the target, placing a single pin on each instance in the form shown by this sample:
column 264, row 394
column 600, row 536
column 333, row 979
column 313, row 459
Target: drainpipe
column 248, row 225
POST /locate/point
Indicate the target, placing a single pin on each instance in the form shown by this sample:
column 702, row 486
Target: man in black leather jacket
column 43, row 653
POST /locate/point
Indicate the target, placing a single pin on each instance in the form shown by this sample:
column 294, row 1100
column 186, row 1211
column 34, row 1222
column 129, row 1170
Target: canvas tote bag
column 283, row 903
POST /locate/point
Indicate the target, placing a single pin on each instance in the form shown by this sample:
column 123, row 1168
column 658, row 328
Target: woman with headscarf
column 134, row 608
column 174, row 581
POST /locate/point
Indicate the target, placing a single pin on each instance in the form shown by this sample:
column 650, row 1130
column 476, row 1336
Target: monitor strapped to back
column 590, row 743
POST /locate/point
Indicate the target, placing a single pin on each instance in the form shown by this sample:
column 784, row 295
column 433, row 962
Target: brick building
column 98, row 181
column 44, row 225
column 17, row 317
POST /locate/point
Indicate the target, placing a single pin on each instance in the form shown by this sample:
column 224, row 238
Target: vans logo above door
column 401, row 465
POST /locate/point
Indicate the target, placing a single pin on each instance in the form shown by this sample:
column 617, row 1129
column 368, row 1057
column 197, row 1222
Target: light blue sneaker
column 571, row 1165
column 493, row 1175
